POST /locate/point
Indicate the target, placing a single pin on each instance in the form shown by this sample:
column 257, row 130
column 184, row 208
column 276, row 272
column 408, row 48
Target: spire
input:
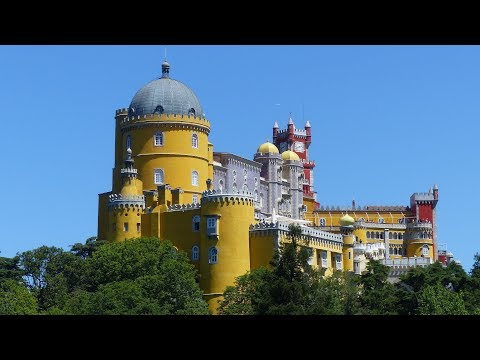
column 290, row 121
column 430, row 191
column 307, row 124
column 275, row 125
column 165, row 69
column 435, row 187
column 129, row 171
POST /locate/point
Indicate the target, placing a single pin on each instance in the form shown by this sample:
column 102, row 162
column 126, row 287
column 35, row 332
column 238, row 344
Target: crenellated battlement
column 121, row 111
column 213, row 196
column 366, row 208
column 184, row 207
column 306, row 231
column 116, row 201
column 173, row 120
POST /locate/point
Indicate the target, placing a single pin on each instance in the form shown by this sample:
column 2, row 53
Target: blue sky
column 387, row 121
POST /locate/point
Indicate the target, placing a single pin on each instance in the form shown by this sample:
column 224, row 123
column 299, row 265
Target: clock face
column 283, row 147
column 299, row 146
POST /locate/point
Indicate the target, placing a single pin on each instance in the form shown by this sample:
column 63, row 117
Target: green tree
column 378, row 296
column 9, row 269
column 86, row 250
column 437, row 300
column 16, row 299
column 138, row 276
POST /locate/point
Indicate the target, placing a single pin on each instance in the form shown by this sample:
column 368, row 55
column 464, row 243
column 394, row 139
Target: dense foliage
column 148, row 276
column 291, row 286
column 141, row 276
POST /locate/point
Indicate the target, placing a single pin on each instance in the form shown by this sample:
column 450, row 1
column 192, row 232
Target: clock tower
column 298, row 141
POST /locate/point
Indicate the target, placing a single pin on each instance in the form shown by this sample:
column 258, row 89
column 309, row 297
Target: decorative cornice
column 213, row 196
column 117, row 201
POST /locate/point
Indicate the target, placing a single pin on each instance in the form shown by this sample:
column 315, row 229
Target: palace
column 228, row 213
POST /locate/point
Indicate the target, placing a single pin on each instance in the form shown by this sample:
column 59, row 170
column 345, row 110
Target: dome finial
column 165, row 67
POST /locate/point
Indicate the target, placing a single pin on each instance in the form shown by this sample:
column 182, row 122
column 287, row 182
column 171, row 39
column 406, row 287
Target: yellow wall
column 130, row 215
column 347, row 253
column 232, row 244
column 262, row 248
column 414, row 247
column 176, row 157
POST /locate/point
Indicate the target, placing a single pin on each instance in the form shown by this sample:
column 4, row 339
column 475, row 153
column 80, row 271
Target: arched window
column 158, row 110
column 158, row 138
column 400, row 236
column 234, row 188
column 395, row 236
column 390, row 235
column 381, row 221
column 195, row 253
column 191, row 111
column 158, row 177
column 323, row 222
column 220, row 186
column 377, row 235
column 390, row 251
column 195, row 141
column 245, row 188
column 212, row 255
column 256, row 195
column 128, row 142
column 194, row 178
column 395, row 251
column 361, row 219
column 261, row 200
column 196, row 223
column 425, row 250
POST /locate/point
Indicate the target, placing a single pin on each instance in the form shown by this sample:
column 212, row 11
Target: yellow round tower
column 224, row 242
column 168, row 134
column 419, row 239
column 346, row 228
column 125, row 209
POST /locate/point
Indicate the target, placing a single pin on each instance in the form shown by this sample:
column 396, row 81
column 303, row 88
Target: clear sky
column 387, row 121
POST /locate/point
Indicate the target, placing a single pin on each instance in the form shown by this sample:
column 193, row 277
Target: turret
column 290, row 132
column 435, row 192
column 224, row 242
column 275, row 132
column 346, row 228
column 125, row 209
column 308, row 130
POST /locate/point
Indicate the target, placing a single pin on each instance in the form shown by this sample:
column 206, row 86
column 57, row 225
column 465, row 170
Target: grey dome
column 166, row 96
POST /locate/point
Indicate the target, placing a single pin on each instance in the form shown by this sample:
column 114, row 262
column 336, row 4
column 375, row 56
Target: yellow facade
column 156, row 193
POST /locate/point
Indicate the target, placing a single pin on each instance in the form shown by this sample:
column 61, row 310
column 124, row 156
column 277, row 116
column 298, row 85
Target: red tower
column 298, row 141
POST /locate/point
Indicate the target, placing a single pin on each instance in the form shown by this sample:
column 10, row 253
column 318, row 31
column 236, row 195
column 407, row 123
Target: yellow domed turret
column 290, row 155
column 267, row 147
column 347, row 220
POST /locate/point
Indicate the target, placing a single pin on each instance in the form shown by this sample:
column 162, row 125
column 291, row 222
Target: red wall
column 425, row 212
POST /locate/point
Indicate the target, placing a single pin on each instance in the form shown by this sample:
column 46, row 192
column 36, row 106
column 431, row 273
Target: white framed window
column 381, row 221
column 220, row 186
column 158, row 138
column 195, row 253
column 324, row 260
column 211, row 223
column 128, row 142
column 425, row 250
column 138, row 227
column 195, row 199
column 195, row 178
column 212, row 255
column 323, row 222
column 195, row 141
column 158, row 177
column 196, row 223
column 338, row 261
column 125, row 226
